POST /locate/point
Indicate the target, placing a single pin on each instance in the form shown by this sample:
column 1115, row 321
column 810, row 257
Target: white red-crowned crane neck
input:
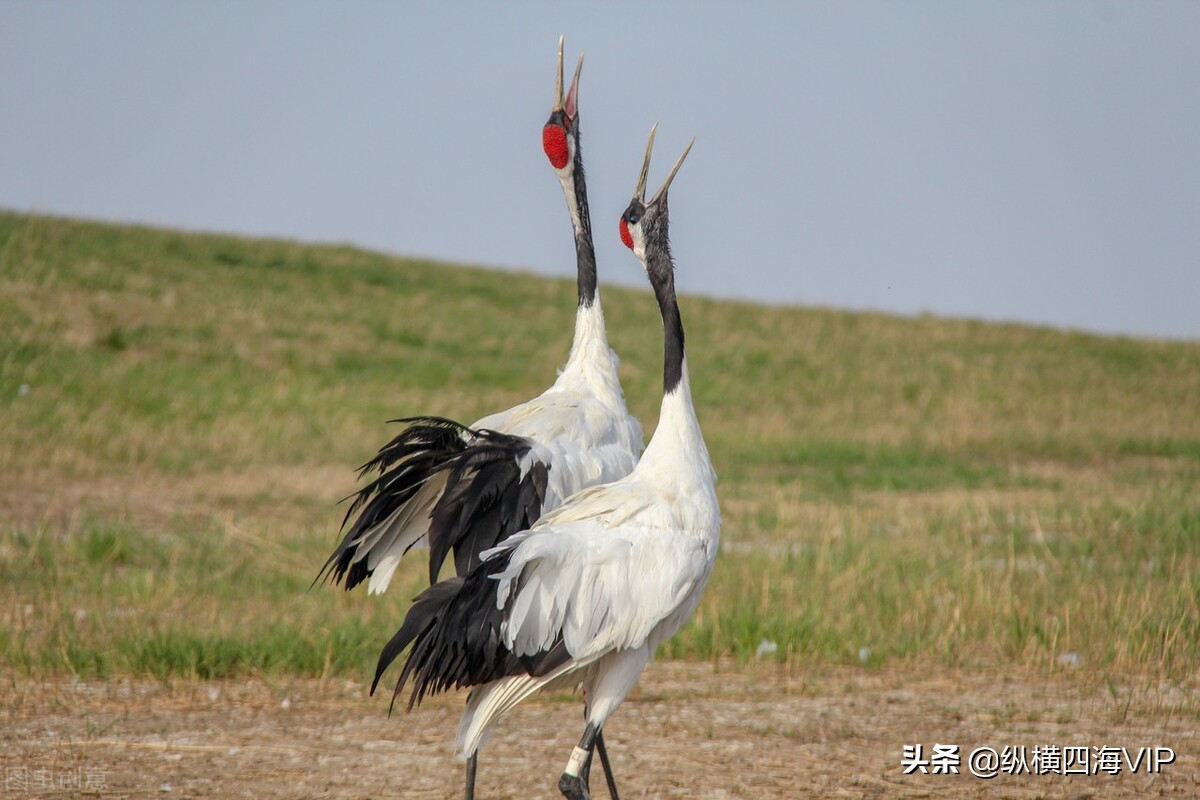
column 676, row 453
column 591, row 360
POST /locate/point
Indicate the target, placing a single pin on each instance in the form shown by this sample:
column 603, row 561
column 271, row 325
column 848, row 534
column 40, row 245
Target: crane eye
column 634, row 217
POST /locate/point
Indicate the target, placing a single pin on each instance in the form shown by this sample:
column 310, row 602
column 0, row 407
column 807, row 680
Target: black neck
column 662, row 278
column 585, row 252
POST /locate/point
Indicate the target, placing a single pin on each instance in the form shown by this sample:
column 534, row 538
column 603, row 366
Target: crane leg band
column 575, row 764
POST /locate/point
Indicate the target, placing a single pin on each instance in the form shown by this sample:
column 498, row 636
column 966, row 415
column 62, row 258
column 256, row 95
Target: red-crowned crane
column 587, row 594
column 466, row 488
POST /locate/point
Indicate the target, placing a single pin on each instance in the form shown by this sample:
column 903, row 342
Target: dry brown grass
column 753, row 731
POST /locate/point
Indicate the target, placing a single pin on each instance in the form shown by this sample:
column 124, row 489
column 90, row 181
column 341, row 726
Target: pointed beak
column 640, row 192
column 568, row 103
column 572, row 101
column 670, row 177
column 558, row 85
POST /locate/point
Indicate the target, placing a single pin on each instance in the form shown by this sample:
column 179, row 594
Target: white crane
column 466, row 489
column 587, row 594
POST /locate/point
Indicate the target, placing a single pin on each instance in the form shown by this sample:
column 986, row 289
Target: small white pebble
column 864, row 654
column 23, row 390
column 765, row 648
column 166, row 787
column 1070, row 659
column 286, row 704
column 233, row 751
column 213, row 694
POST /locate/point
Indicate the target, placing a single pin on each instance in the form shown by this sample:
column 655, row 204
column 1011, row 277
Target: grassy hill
column 180, row 413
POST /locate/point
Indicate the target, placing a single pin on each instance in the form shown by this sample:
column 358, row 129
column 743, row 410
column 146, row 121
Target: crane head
column 560, row 135
column 647, row 220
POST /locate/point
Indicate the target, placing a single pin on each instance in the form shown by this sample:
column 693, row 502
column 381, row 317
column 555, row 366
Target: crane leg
column 573, row 783
column 604, row 762
column 586, row 773
column 472, row 765
column 609, row 778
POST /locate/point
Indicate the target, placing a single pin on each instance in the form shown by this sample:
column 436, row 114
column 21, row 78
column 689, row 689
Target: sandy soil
column 689, row 730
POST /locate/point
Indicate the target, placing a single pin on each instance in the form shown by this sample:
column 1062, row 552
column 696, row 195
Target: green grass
column 179, row 414
column 106, row 598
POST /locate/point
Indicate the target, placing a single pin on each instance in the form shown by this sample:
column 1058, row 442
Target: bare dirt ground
column 689, row 730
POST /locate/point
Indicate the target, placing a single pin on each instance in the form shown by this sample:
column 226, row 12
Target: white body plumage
column 615, row 570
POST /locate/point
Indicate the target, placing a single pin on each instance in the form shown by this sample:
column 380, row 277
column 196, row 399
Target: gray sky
column 1021, row 161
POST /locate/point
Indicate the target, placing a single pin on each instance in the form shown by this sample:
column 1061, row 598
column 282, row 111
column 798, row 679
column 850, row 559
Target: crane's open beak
column 556, row 133
column 569, row 103
column 640, row 192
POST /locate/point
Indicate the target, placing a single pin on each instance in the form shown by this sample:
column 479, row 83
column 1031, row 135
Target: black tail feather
column 487, row 499
column 424, row 448
column 423, row 614
column 454, row 629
